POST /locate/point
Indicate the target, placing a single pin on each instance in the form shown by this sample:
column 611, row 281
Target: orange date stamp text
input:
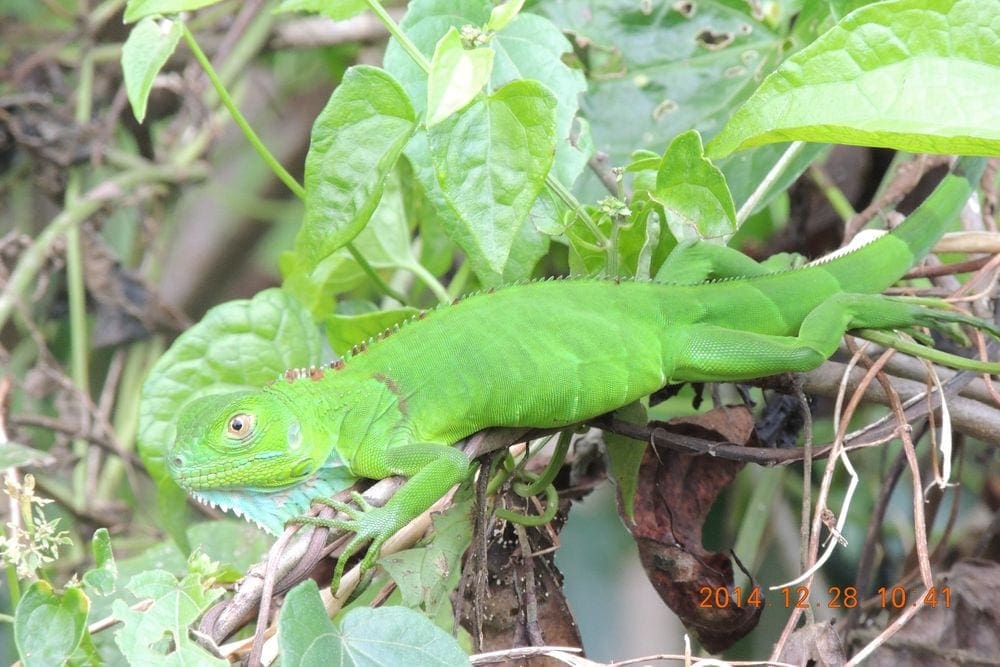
column 835, row 597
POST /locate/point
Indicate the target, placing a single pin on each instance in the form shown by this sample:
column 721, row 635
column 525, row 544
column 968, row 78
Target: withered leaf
column 816, row 644
column 675, row 493
column 127, row 308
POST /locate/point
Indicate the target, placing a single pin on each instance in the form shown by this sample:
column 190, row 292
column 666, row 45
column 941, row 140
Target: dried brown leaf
column 675, row 493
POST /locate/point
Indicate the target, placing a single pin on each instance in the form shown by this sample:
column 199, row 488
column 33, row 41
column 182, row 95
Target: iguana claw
column 366, row 521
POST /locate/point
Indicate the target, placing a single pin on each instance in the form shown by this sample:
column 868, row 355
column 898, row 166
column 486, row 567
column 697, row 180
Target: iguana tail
column 922, row 229
column 892, row 255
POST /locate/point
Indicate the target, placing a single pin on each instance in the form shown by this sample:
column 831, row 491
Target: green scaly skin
column 544, row 354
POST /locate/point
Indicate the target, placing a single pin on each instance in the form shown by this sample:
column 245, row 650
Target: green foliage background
column 352, row 194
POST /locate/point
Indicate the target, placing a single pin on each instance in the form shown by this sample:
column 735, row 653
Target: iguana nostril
column 177, row 461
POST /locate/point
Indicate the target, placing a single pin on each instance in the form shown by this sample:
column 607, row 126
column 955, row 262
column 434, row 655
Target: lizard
column 544, row 354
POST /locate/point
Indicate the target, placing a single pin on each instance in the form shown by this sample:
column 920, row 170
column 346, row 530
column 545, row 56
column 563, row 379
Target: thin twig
column 988, row 185
column 906, row 178
column 598, row 165
column 947, row 269
column 897, row 624
column 529, row 596
column 248, row 10
column 270, row 574
column 807, row 462
column 863, row 577
column 840, row 425
column 919, row 524
column 111, row 621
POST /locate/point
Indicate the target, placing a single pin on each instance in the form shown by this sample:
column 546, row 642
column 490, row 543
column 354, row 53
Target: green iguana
column 542, row 354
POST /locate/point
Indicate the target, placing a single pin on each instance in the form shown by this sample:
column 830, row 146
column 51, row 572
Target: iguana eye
column 240, row 426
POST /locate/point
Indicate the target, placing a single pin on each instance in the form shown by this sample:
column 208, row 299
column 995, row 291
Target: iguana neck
column 343, row 408
column 339, row 411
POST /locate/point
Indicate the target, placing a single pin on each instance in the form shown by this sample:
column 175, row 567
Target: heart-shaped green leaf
column 491, row 161
column 237, row 345
column 356, row 141
column 905, row 74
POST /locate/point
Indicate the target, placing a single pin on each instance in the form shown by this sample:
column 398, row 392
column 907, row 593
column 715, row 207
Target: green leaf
column 905, row 74
column 841, row 8
column 344, row 331
column 693, row 192
column 456, row 77
column 427, row 575
column 49, row 626
column 385, row 243
column 437, row 252
column 529, row 47
column 657, row 70
column 16, row 455
column 338, row 10
column 425, row 22
column 491, row 161
column 147, row 49
column 316, row 289
column 532, row 47
column 213, row 571
column 396, row 636
column 105, row 572
column 237, row 345
column 138, row 9
column 503, row 14
column 635, row 240
column 159, row 634
column 529, row 244
column 228, row 539
column 383, row 636
column 356, row 140
column 625, row 455
column 305, row 633
column 644, row 166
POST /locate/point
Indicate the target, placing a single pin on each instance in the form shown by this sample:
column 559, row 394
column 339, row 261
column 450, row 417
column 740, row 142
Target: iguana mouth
column 209, row 475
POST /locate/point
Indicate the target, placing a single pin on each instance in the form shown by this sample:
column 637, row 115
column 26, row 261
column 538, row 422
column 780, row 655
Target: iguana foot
column 366, row 521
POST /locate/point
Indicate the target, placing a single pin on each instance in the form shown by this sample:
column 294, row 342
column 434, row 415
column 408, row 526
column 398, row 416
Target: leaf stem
column 779, row 167
column 13, row 585
column 227, row 101
column 457, row 284
column 79, row 371
column 397, row 32
column 279, row 170
column 138, row 362
column 833, row 194
column 612, row 246
column 427, row 278
column 371, row 273
column 563, row 193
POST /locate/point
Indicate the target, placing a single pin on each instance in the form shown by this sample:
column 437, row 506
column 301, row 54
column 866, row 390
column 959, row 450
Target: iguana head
column 243, row 440
column 248, row 452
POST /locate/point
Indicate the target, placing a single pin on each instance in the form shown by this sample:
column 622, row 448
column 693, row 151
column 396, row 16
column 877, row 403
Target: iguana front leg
column 433, row 469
